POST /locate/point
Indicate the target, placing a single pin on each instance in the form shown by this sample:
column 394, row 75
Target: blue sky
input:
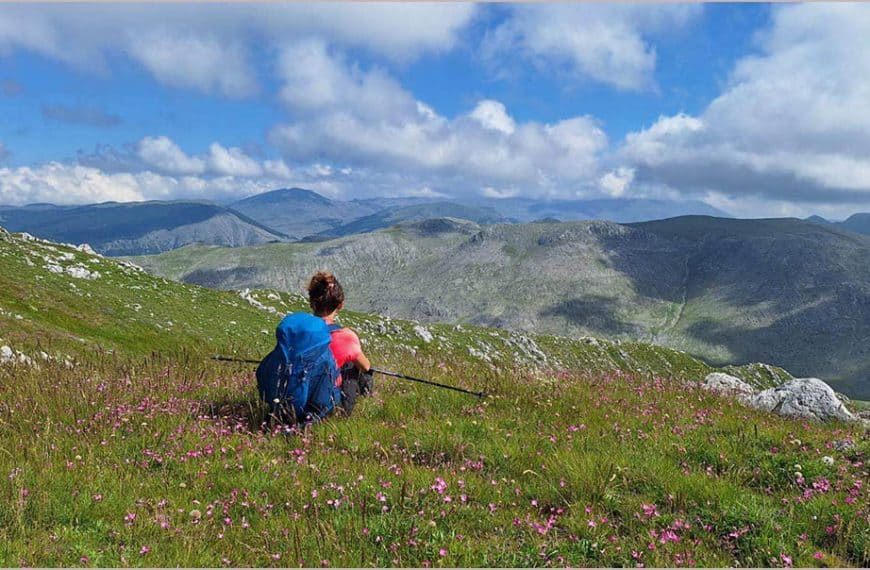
column 738, row 105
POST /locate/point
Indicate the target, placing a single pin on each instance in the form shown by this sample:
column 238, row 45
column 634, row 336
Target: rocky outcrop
column 807, row 398
column 727, row 384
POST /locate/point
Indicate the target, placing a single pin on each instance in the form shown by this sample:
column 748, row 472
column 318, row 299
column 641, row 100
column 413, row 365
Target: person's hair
column 324, row 293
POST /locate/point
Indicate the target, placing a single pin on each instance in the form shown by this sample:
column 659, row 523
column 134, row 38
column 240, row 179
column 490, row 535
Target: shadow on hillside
column 835, row 330
column 781, row 268
column 655, row 266
column 594, row 313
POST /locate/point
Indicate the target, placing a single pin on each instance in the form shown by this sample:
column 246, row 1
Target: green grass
column 142, row 452
column 525, row 470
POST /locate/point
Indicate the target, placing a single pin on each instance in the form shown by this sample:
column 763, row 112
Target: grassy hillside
column 788, row 292
column 585, row 453
column 65, row 302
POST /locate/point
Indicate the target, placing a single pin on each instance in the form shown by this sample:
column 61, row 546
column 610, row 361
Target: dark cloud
column 111, row 160
column 90, row 116
column 701, row 175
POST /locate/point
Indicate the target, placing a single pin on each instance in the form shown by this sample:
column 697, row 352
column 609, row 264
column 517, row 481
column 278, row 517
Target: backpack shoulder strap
column 334, row 327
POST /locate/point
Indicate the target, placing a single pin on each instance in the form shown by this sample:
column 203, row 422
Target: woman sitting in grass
column 326, row 297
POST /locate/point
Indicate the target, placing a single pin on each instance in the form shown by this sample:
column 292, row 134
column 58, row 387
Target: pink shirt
column 345, row 348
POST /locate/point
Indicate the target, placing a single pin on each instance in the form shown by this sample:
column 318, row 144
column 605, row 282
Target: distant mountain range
column 620, row 210
column 858, row 223
column 293, row 214
column 139, row 228
column 417, row 212
column 784, row 291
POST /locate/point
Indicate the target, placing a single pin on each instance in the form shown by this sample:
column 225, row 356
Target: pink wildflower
column 440, row 486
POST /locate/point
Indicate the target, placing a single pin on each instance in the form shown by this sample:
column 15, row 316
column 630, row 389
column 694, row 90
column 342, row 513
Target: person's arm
column 362, row 362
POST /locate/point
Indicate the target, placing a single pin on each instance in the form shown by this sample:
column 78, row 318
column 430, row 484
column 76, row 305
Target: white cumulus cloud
column 791, row 127
column 493, row 115
column 616, row 182
column 607, row 43
column 232, row 162
column 207, row 48
column 163, row 154
column 209, row 64
column 364, row 117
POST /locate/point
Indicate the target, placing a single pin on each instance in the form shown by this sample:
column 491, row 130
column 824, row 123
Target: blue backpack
column 300, row 372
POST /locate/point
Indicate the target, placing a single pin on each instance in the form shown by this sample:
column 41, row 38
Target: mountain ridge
column 109, row 391
column 783, row 290
column 129, row 228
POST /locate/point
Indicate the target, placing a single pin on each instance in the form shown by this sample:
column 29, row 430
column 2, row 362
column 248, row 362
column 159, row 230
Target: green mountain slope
column 138, row 227
column 585, row 452
column 789, row 292
column 68, row 303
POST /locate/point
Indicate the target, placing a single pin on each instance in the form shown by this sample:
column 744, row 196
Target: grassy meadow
column 122, row 444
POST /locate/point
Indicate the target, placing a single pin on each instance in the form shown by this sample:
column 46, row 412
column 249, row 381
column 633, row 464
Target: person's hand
column 367, row 382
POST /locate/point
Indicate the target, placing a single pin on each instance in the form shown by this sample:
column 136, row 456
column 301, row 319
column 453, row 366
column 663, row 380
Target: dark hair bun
column 324, row 293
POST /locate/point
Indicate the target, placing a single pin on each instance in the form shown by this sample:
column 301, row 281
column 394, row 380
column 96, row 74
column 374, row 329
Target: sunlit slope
column 584, row 452
column 65, row 302
column 785, row 291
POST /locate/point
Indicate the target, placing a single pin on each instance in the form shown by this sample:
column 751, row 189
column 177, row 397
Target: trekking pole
column 372, row 369
column 429, row 382
column 230, row 359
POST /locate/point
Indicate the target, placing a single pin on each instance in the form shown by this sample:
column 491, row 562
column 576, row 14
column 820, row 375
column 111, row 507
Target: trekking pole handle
column 429, row 382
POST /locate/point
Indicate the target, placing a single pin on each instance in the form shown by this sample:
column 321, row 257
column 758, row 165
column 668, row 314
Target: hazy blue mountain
column 819, row 220
column 298, row 213
column 383, row 203
column 859, row 223
column 620, row 210
column 136, row 228
column 784, row 291
column 395, row 215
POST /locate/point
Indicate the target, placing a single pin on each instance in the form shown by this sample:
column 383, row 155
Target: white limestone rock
column 807, row 398
column 423, row 333
column 727, row 384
